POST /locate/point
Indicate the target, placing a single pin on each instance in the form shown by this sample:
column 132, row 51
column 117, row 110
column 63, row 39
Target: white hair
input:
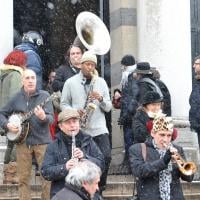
column 84, row 171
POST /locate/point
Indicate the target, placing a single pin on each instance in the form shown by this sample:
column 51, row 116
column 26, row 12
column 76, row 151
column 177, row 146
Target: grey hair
column 84, row 171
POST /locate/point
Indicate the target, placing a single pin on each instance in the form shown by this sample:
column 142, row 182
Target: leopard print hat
column 162, row 123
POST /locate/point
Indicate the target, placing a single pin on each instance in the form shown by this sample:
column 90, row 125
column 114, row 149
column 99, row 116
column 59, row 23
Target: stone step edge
column 129, row 195
column 17, row 198
column 108, row 183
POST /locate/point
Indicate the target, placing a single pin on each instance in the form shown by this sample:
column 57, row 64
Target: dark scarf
column 79, row 191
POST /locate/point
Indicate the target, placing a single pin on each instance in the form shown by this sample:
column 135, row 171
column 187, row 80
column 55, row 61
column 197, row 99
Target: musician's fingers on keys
column 78, row 153
column 96, row 95
column 81, row 112
column 70, row 163
column 173, row 150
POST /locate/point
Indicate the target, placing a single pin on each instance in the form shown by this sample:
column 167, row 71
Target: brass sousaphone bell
column 92, row 33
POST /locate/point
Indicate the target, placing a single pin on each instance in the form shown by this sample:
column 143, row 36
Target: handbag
column 144, row 154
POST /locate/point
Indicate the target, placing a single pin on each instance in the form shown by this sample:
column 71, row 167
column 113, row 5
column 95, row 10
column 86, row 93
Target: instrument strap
column 144, row 151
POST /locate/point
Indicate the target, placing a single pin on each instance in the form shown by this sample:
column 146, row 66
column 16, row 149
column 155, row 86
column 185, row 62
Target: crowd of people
column 60, row 126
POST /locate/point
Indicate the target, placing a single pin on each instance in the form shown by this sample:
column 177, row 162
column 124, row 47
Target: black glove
column 167, row 157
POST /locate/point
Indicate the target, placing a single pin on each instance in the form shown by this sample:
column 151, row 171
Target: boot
column 10, row 173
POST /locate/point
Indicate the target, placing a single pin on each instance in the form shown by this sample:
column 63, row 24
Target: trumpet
column 186, row 168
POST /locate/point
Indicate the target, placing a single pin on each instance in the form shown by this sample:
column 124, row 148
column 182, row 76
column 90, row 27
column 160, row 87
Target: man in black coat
column 155, row 164
column 194, row 100
column 71, row 67
column 81, row 182
column 70, row 146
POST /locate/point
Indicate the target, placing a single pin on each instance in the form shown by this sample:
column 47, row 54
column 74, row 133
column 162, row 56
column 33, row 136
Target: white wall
column 6, row 24
column 164, row 40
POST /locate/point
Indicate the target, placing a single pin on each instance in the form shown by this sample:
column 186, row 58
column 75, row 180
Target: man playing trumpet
column 64, row 153
column 156, row 164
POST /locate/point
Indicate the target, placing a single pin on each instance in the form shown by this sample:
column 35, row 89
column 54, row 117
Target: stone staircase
column 119, row 187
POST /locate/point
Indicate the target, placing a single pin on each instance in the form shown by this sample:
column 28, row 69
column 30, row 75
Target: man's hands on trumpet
column 170, row 153
column 78, row 154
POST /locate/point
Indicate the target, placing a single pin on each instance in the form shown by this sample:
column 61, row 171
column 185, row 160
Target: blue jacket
column 33, row 60
column 58, row 153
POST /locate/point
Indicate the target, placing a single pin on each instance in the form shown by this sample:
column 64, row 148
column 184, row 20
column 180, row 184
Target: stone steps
column 118, row 188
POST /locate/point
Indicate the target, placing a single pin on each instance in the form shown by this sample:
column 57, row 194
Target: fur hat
column 151, row 97
column 68, row 114
column 162, row 123
column 143, row 68
column 88, row 56
column 128, row 60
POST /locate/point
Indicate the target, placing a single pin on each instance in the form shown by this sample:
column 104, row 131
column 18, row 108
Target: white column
column 164, row 40
column 6, row 24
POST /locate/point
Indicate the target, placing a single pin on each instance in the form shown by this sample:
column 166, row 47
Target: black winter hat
column 151, row 97
column 128, row 60
column 143, row 68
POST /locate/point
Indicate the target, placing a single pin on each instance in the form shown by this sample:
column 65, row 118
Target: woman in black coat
column 151, row 104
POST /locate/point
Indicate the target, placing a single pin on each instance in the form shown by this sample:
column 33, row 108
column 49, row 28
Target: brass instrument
column 92, row 33
column 90, row 105
column 186, row 168
column 94, row 36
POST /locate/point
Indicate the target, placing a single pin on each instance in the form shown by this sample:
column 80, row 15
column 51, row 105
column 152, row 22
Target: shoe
column 37, row 172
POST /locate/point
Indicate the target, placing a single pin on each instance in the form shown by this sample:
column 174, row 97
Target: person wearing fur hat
column 10, row 83
column 65, row 152
column 154, row 165
column 88, row 93
column 151, row 105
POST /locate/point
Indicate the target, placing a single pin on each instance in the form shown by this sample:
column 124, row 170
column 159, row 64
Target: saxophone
column 90, row 105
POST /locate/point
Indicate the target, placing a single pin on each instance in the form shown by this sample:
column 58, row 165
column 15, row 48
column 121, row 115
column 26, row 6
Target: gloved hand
column 167, row 157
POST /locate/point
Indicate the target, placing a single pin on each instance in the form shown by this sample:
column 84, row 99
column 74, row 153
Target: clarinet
column 73, row 147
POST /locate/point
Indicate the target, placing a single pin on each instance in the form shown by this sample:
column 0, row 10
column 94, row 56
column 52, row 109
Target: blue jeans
column 128, row 138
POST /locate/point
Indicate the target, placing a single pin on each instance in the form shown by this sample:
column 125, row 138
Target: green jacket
column 10, row 82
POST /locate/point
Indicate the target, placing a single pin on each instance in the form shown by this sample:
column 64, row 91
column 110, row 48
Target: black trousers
column 103, row 143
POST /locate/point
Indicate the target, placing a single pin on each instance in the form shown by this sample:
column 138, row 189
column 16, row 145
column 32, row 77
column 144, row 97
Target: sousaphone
column 92, row 33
